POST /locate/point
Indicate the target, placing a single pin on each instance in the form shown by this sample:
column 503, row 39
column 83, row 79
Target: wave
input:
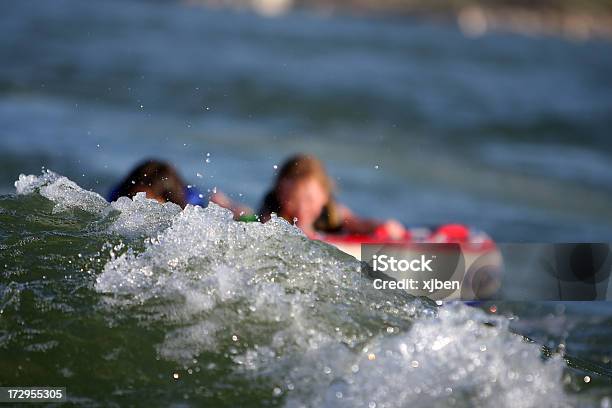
column 291, row 320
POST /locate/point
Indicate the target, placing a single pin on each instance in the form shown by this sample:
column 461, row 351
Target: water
column 136, row 302
column 417, row 122
column 507, row 133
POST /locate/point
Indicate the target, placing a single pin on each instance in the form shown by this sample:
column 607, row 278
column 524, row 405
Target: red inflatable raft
column 480, row 271
column 471, row 241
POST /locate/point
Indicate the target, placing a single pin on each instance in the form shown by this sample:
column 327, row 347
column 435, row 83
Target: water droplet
column 587, row 379
column 175, row 376
column 275, row 167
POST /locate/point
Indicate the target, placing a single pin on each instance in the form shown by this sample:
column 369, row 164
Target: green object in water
column 249, row 218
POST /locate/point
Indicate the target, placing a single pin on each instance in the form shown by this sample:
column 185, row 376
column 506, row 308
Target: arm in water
column 224, row 201
column 353, row 224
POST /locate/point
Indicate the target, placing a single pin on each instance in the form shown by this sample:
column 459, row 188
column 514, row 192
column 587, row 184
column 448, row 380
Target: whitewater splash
column 293, row 318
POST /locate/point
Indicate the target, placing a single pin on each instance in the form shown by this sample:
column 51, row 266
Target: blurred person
column 303, row 194
column 160, row 181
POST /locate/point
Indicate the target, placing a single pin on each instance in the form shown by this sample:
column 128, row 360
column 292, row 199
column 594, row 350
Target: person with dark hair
column 160, row 181
column 303, row 194
column 157, row 179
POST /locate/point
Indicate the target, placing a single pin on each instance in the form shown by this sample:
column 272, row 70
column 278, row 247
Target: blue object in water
column 196, row 197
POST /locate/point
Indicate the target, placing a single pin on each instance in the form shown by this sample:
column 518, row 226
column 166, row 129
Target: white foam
column 139, row 216
column 205, row 262
column 142, row 216
column 298, row 314
column 64, row 193
column 454, row 359
column 27, row 184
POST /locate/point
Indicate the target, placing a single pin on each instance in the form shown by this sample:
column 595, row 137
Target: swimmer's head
column 158, row 180
column 302, row 189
